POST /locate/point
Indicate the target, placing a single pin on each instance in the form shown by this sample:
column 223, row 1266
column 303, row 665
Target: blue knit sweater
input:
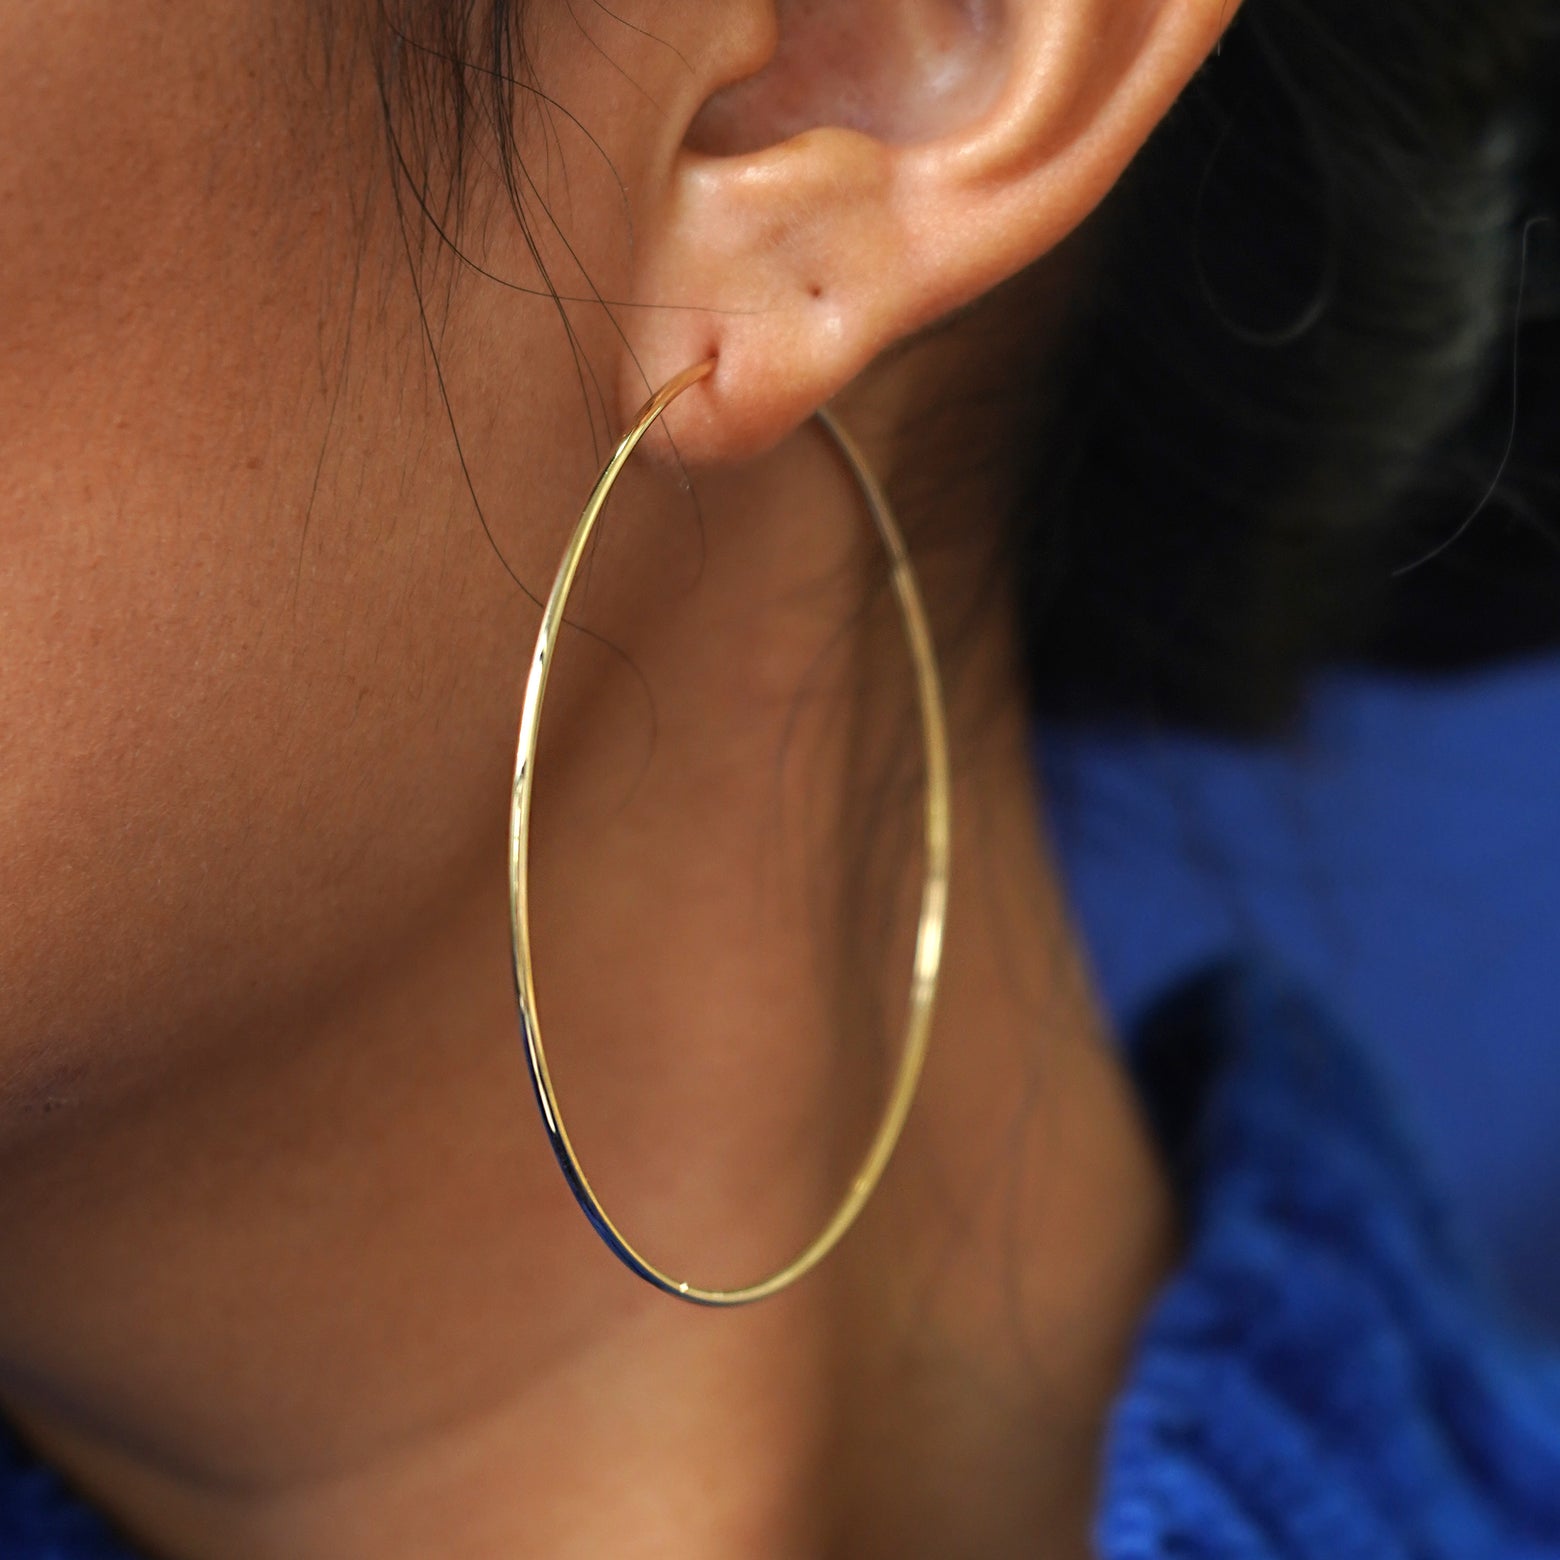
column 1320, row 1381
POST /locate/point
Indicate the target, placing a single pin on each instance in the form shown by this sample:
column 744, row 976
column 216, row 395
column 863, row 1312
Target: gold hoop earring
column 934, row 895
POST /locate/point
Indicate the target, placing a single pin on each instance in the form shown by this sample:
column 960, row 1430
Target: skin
column 289, row 1270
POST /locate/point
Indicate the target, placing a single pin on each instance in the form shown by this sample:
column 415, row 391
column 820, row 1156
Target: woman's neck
column 323, row 1294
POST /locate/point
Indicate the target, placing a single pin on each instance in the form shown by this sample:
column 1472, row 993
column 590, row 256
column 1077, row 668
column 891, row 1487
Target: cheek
column 257, row 670
column 229, row 779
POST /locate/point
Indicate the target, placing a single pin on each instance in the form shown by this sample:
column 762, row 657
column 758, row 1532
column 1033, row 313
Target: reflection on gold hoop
column 934, row 896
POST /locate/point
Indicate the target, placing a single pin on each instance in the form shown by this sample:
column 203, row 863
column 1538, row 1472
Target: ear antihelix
column 905, row 72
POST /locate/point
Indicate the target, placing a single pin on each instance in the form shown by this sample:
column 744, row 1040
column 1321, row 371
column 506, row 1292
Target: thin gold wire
column 934, row 896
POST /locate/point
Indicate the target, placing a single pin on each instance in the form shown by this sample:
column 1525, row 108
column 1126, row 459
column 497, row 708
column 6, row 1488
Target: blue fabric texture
column 1324, row 1379
column 1398, row 850
column 1321, row 1380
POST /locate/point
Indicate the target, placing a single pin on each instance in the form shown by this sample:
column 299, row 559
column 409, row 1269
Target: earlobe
column 779, row 254
column 822, row 210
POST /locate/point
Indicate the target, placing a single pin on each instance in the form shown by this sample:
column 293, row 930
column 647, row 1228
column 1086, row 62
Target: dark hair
column 1280, row 427
column 1288, row 424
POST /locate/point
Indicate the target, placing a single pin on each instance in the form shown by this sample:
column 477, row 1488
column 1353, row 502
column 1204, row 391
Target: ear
column 844, row 172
